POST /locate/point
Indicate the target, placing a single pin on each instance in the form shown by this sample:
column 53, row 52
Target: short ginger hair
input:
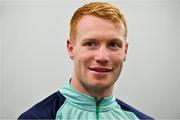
column 102, row 10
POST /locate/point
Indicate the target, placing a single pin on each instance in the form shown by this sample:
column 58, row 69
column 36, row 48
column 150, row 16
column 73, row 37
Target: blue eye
column 90, row 44
column 114, row 45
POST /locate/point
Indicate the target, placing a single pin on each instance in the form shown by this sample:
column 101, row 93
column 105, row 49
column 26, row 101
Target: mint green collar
column 86, row 102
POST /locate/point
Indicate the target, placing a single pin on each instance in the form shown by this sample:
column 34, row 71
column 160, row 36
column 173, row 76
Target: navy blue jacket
column 47, row 108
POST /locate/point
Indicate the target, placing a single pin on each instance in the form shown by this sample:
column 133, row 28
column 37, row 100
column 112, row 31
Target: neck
column 98, row 93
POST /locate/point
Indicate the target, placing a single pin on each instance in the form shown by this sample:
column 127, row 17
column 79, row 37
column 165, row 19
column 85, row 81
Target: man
column 98, row 47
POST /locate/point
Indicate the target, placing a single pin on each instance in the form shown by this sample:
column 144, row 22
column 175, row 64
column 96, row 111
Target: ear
column 70, row 47
column 126, row 50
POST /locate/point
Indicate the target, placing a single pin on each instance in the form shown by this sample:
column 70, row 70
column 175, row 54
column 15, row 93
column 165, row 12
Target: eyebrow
column 117, row 40
column 113, row 39
column 88, row 40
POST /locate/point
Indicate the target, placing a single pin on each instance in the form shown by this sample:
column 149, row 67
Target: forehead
column 92, row 26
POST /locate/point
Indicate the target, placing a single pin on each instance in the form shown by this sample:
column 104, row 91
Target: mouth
column 100, row 69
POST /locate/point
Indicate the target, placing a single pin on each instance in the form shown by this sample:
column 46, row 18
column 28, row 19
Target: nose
column 102, row 55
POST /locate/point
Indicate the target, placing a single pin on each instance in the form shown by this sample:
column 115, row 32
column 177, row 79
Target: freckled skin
column 98, row 52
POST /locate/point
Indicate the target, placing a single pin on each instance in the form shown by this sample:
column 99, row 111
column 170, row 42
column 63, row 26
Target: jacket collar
column 86, row 102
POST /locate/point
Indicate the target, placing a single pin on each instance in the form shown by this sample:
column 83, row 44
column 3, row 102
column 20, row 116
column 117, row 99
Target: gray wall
column 1, row 68
column 35, row 62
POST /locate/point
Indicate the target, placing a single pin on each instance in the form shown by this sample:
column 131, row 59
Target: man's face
column 98, row 52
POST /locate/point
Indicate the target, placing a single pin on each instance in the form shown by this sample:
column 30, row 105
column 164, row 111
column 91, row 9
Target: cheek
column 118, row 65
column 118, row 57
column 82, row 59
column 117, row 61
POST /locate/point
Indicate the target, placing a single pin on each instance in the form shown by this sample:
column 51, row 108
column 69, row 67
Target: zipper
column 97, row 109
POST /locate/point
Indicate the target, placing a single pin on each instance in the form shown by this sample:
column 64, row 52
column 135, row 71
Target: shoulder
column 129, row 108
column 46, row 109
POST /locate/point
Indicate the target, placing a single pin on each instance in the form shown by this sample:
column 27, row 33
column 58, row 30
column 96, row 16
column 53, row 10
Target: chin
column 102, row 85
column 101, row 82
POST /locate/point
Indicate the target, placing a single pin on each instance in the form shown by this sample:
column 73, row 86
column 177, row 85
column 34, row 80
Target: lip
column 100, row 71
